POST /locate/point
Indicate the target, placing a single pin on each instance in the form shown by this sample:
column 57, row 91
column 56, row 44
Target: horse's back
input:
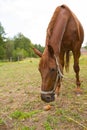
column 74, row 33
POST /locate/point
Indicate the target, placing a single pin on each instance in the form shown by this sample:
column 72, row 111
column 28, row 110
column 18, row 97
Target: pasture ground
column 21, row 107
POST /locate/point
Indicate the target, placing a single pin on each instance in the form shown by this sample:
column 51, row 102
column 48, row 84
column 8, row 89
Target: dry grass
column 22, row 109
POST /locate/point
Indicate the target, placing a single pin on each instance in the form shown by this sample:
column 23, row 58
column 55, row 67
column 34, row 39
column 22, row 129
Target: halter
column 59, row 76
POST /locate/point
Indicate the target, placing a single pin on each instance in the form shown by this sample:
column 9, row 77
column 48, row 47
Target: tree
column 9, row 47
column 2, row 53
column 19, row 54
column 2, row 41
column 16, row 48
column 20, row 41
column 2, row 34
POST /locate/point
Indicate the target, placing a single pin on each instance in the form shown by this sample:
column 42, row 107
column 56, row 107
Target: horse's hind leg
column 77, row 69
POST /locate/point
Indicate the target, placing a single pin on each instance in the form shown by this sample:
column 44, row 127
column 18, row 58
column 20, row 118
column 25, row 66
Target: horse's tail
column 67, row 59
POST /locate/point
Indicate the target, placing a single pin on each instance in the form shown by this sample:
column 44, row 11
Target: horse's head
column 50, row 73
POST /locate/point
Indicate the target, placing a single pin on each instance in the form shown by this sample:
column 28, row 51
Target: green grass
column 28, row 128
column 21, row 107
column 23, row 115
column 47, row 126
column 1, row 121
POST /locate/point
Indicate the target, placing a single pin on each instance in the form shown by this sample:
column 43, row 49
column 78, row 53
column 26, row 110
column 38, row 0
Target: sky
column 31, row 17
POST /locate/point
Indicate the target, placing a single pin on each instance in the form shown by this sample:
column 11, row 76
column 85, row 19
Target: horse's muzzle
column 48, row 97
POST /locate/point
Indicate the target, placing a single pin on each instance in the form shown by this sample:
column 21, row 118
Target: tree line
column 16, row 48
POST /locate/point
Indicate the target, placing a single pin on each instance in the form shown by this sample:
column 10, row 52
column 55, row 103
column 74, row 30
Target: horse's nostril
column 48, row 97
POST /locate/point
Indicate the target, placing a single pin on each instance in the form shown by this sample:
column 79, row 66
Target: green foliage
column 2, row 49
column 9, row 47
column 2, row 34
column 20, row 41
column 17, row 48
column 19, row 54
column 2, row 52
column 39, row 47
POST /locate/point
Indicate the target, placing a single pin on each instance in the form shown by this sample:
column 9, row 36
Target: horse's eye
column 52, row 69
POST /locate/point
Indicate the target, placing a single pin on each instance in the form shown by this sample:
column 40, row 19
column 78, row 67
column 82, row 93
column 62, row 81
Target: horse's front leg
column 60, row 80
column 57, row 91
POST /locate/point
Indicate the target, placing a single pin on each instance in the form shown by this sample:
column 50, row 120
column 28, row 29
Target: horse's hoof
column 78, row 91
column 78, row 94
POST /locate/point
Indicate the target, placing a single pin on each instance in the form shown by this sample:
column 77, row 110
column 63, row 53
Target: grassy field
column 22, row 109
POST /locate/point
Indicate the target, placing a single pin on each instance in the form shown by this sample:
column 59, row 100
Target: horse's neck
column 58, row 30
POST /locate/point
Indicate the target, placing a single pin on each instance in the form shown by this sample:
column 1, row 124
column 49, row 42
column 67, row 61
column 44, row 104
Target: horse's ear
column 37, row 52
column 50, row 49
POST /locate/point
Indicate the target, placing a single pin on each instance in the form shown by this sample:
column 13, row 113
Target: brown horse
column 64, row 34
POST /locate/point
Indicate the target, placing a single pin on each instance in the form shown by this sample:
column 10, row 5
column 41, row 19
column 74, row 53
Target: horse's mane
column 53, row 21
column 51, row 24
